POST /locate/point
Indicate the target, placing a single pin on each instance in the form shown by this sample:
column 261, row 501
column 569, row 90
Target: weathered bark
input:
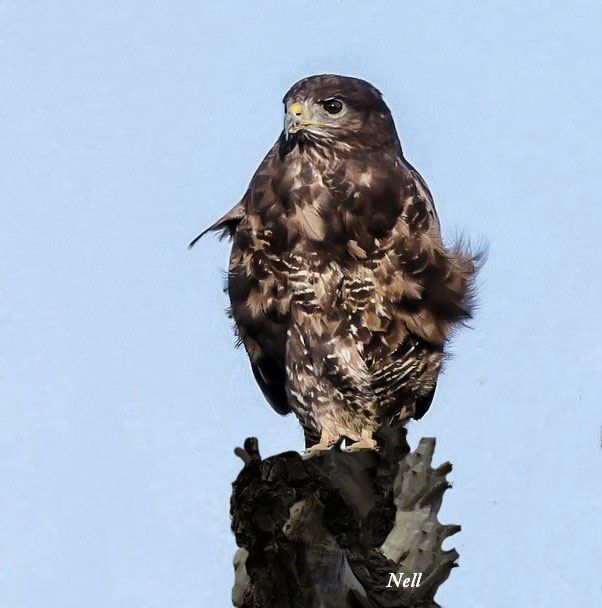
column 327, row 530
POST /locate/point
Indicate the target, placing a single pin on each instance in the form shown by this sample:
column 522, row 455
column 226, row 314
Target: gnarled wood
column 328, row 530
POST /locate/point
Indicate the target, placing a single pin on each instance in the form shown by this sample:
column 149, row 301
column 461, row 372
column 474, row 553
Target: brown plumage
column 342, row 291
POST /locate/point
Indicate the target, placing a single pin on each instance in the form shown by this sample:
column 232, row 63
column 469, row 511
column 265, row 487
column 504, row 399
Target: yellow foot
column 319, row 447
column 325, row 443
column 366, row 442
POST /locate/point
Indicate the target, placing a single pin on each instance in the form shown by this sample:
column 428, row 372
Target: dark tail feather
column 227, row 224
column 196, row 239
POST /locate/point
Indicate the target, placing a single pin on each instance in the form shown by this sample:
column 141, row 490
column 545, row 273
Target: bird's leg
column 327, row 440
column 366, row 442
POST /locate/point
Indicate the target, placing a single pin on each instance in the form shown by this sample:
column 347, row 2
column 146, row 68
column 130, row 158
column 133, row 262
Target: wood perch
column 341, row 529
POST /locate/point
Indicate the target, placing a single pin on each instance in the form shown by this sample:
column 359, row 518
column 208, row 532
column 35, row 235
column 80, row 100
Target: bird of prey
column 341, row 288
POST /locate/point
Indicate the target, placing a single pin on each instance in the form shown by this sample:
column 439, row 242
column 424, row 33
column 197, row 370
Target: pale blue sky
column 125, row 127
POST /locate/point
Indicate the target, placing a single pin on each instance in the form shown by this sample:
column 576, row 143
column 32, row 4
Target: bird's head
column 343, row 112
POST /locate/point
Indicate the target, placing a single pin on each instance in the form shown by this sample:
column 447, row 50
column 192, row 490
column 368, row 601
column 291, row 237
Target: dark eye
column 332, row 106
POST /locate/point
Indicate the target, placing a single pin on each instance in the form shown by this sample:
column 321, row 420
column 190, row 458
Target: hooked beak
column 296, row 118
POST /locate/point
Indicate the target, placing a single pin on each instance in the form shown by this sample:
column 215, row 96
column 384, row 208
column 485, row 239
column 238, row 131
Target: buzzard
column 341, row 289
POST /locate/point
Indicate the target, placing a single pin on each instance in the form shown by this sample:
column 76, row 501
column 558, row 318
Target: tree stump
column 341, row 529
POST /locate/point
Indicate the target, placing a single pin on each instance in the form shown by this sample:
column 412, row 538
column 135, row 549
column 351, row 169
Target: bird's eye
column 332, row 106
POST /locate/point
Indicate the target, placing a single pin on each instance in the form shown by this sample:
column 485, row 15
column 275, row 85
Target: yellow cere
column 296, row 108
